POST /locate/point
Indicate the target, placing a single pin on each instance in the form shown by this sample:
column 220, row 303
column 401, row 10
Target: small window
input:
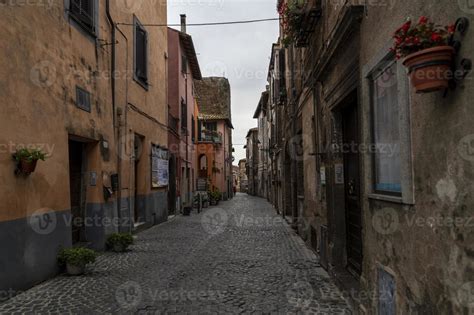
column 386, row 131
column 82, row 11
column 184, row 64
column 83, row 99
column 193, row 127
column 141, row 54
column 184, row 116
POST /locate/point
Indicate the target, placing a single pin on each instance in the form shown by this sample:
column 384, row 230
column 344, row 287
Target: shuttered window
column 82, row 11
column 141, row 54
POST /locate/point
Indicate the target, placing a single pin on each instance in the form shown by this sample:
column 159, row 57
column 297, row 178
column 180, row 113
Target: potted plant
column 76, row 259
column 119, row 242
column 428, row 55
column 27, row 159
column 290, row 12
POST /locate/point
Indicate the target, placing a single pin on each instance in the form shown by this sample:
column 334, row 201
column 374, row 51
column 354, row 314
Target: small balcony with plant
column 298, row 20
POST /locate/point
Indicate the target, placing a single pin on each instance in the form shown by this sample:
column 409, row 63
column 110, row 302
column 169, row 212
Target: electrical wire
column 208, row 24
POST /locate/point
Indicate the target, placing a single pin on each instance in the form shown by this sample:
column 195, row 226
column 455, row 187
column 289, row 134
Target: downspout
column 118, row 144
column 294, row 194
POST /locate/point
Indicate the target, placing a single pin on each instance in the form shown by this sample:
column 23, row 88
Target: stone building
column 263, row 116
column 183, row 70
column 214, row 134
column 378, row 173
column 243, row 180
column 252, row 153
column 86, row 85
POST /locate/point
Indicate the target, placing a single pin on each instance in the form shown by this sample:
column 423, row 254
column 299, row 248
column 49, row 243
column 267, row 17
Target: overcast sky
column 239, row 52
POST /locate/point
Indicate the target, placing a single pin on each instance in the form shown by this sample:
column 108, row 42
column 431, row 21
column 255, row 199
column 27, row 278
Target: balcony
column 211, row 136
column 300, row 20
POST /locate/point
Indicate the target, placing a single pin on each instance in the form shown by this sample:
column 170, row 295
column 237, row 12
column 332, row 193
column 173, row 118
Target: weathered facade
column 91, row 95
column 243, row 180
column 214, row 134
column 183, row 70
column 252, row 159
column 378, row 174
column 263, row 116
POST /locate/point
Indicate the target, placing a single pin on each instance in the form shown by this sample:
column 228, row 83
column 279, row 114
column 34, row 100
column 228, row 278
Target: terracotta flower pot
column 430, row 69
column 27, row 167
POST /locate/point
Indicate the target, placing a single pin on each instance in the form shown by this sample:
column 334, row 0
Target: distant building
column 214, row 135
column 252, row 161
column 243, row 179
column 183, row 71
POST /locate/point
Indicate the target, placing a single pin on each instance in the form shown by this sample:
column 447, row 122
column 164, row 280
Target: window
column 386, row 131
column 184, row 116
column 83, row 99
column 184, row 64
column 141, row 54
column 193, row 127
column 82, row 11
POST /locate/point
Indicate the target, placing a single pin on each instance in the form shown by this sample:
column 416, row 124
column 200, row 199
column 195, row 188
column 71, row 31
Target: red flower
column 436, row 37
column 416, row 40
column 423, row 20
column 406, row 26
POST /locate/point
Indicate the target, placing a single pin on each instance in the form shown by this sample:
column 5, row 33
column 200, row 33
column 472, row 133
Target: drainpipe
column 293, row 132
column 188, row 164
column 112, row 80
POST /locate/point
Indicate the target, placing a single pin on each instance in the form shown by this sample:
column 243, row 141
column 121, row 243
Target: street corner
column 385, row 221
column 214, row 220
column 129, row 295
column 43, row 221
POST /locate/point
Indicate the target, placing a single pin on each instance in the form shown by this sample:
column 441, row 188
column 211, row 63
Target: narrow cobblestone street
column 238, row 257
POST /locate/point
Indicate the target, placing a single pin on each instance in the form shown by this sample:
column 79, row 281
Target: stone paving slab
column 236, row 258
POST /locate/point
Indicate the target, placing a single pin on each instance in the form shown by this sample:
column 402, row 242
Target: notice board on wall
column 159, row 167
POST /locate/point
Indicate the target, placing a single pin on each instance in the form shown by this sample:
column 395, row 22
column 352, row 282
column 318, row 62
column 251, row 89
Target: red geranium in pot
column 428, row 55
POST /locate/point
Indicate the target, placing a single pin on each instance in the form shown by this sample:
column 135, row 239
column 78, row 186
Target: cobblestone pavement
column 238, row 257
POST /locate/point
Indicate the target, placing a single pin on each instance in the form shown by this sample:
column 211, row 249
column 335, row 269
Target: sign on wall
column 159, row 167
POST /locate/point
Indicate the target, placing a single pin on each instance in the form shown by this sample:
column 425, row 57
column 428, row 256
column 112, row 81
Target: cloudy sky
column 239, row 52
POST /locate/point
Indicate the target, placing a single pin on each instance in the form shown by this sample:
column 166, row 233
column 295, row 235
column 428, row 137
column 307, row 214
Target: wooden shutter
column 141, row 53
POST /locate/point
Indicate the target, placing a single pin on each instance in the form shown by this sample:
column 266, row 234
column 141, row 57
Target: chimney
column 183, row 23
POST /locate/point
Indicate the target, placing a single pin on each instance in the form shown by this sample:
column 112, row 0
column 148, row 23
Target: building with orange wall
column 214, row 130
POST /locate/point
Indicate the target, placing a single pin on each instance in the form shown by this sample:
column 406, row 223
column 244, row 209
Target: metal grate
column 83, row 99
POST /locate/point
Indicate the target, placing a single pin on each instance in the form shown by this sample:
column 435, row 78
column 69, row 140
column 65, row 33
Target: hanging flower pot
column 27, row 160
column 430, row 69
column 428, row 55
column 27, row 166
